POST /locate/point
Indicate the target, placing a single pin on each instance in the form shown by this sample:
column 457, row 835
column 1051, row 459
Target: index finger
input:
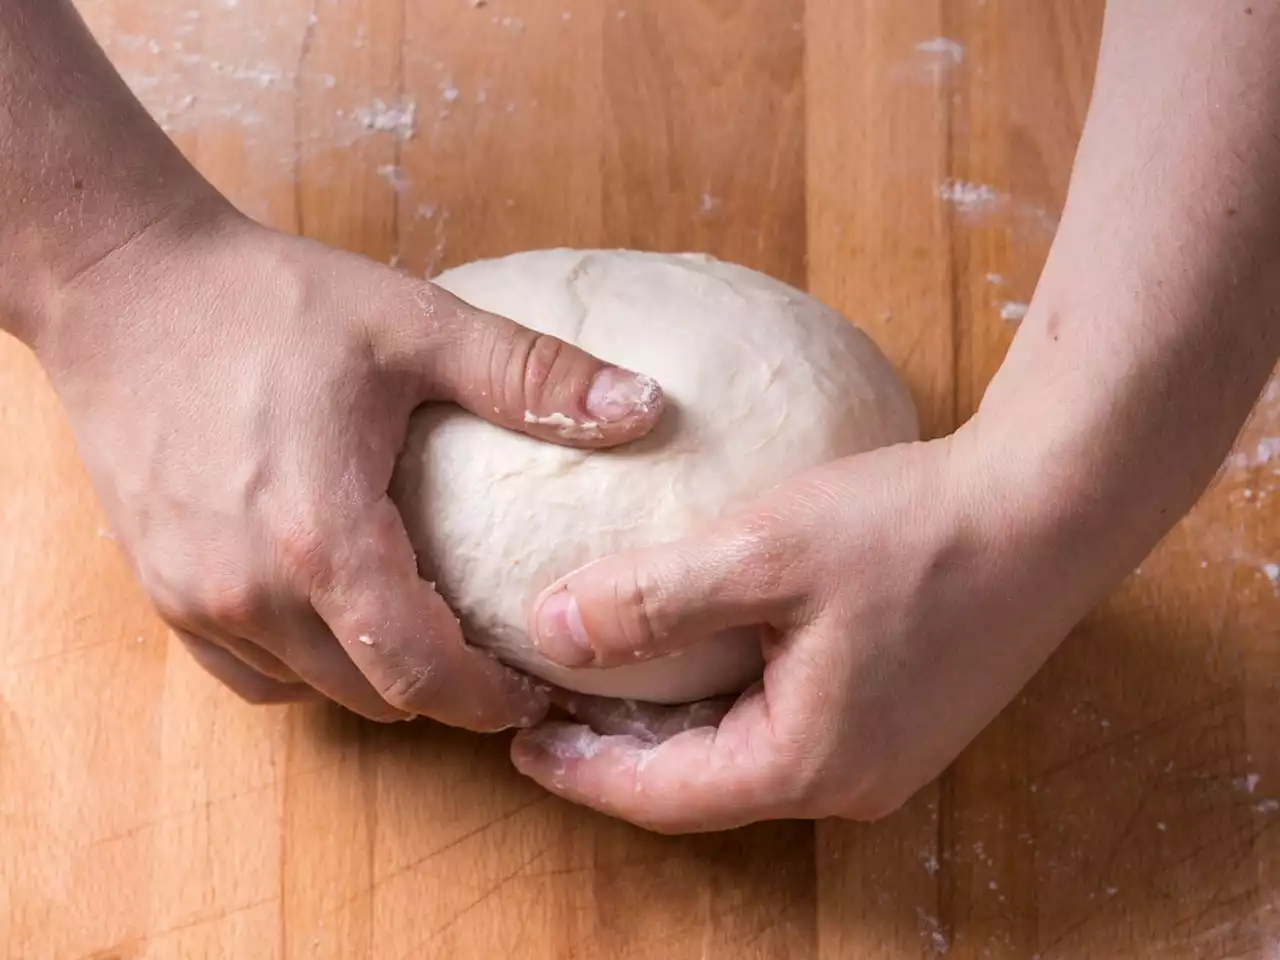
column 404, row 638
column 704, row 779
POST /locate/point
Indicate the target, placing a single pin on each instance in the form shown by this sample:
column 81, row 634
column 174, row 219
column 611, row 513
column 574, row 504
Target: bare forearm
column 83, row 169
column 1157, row 319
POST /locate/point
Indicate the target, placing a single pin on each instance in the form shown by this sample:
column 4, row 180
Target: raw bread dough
column 761, row 380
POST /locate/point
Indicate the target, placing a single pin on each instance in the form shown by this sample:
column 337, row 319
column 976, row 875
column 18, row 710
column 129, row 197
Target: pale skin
column 240, row 396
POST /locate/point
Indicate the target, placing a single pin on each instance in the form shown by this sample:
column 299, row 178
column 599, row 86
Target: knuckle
column 770, row 554
column 301, row 544
column 233, row 601
column 224, row 598
column 303, row 549
column 771, row 538
column 794, row 786
column 403, row 327
column 543, row 365
column 528, row 365
column 167, row 603
column 412, row 689
column 167, row 598
column 638, row 597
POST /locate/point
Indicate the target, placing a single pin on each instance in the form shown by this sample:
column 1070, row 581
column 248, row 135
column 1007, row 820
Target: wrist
column 1060, row 518
column 84, row 170
column 82, row 303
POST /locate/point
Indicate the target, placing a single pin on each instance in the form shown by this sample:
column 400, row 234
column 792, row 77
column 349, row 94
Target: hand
column 903, row 599
column 240, row 398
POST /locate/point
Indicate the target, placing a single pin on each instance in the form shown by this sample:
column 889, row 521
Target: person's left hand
column 904, row 596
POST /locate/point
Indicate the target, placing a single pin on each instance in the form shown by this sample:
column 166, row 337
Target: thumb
column 653, row 602
column 534, row 383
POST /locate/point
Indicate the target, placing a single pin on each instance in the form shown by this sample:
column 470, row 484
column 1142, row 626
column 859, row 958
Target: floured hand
column 240, row 397
column 899, row 614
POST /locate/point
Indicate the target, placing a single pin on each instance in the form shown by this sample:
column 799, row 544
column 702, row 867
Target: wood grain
column 1123, row 807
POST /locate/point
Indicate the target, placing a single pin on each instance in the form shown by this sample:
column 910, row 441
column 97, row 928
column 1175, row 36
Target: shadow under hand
column 450, row 805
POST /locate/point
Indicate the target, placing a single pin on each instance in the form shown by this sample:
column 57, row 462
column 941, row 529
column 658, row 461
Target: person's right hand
column 240, row 398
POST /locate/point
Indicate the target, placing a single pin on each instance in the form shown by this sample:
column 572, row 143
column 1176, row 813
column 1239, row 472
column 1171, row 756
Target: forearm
column 1157, row 319
column 83, row 168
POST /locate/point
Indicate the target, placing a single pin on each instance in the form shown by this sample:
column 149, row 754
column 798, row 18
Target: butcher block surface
column 904, row 160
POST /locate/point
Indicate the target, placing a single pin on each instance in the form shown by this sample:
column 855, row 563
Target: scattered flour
column 944, row 47
column 1248, row 783
column 400, row 118
column 1013, row 311
column 395, row 176
column 1268, row 449
column 975, row 199
column 968, row 197
column 931, row 928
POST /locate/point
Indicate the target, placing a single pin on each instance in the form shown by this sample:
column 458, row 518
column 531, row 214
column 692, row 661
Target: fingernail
column 526, row 750
column 615, row 394
column 561, row 636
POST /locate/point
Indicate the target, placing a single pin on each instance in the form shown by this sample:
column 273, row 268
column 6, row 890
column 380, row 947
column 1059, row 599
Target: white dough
column 762, row 382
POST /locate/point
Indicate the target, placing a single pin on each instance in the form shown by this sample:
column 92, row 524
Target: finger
column 652, row 602
column 531, row 382
column 243, row 680
column 403, row 637
column 261, row 660
column 697, row 780
column 316, row 656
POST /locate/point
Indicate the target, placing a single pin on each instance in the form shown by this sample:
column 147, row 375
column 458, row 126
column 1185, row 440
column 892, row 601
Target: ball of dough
column 762, row 381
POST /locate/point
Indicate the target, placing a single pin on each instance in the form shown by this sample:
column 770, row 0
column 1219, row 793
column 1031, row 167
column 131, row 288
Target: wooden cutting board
column 1123, row 807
